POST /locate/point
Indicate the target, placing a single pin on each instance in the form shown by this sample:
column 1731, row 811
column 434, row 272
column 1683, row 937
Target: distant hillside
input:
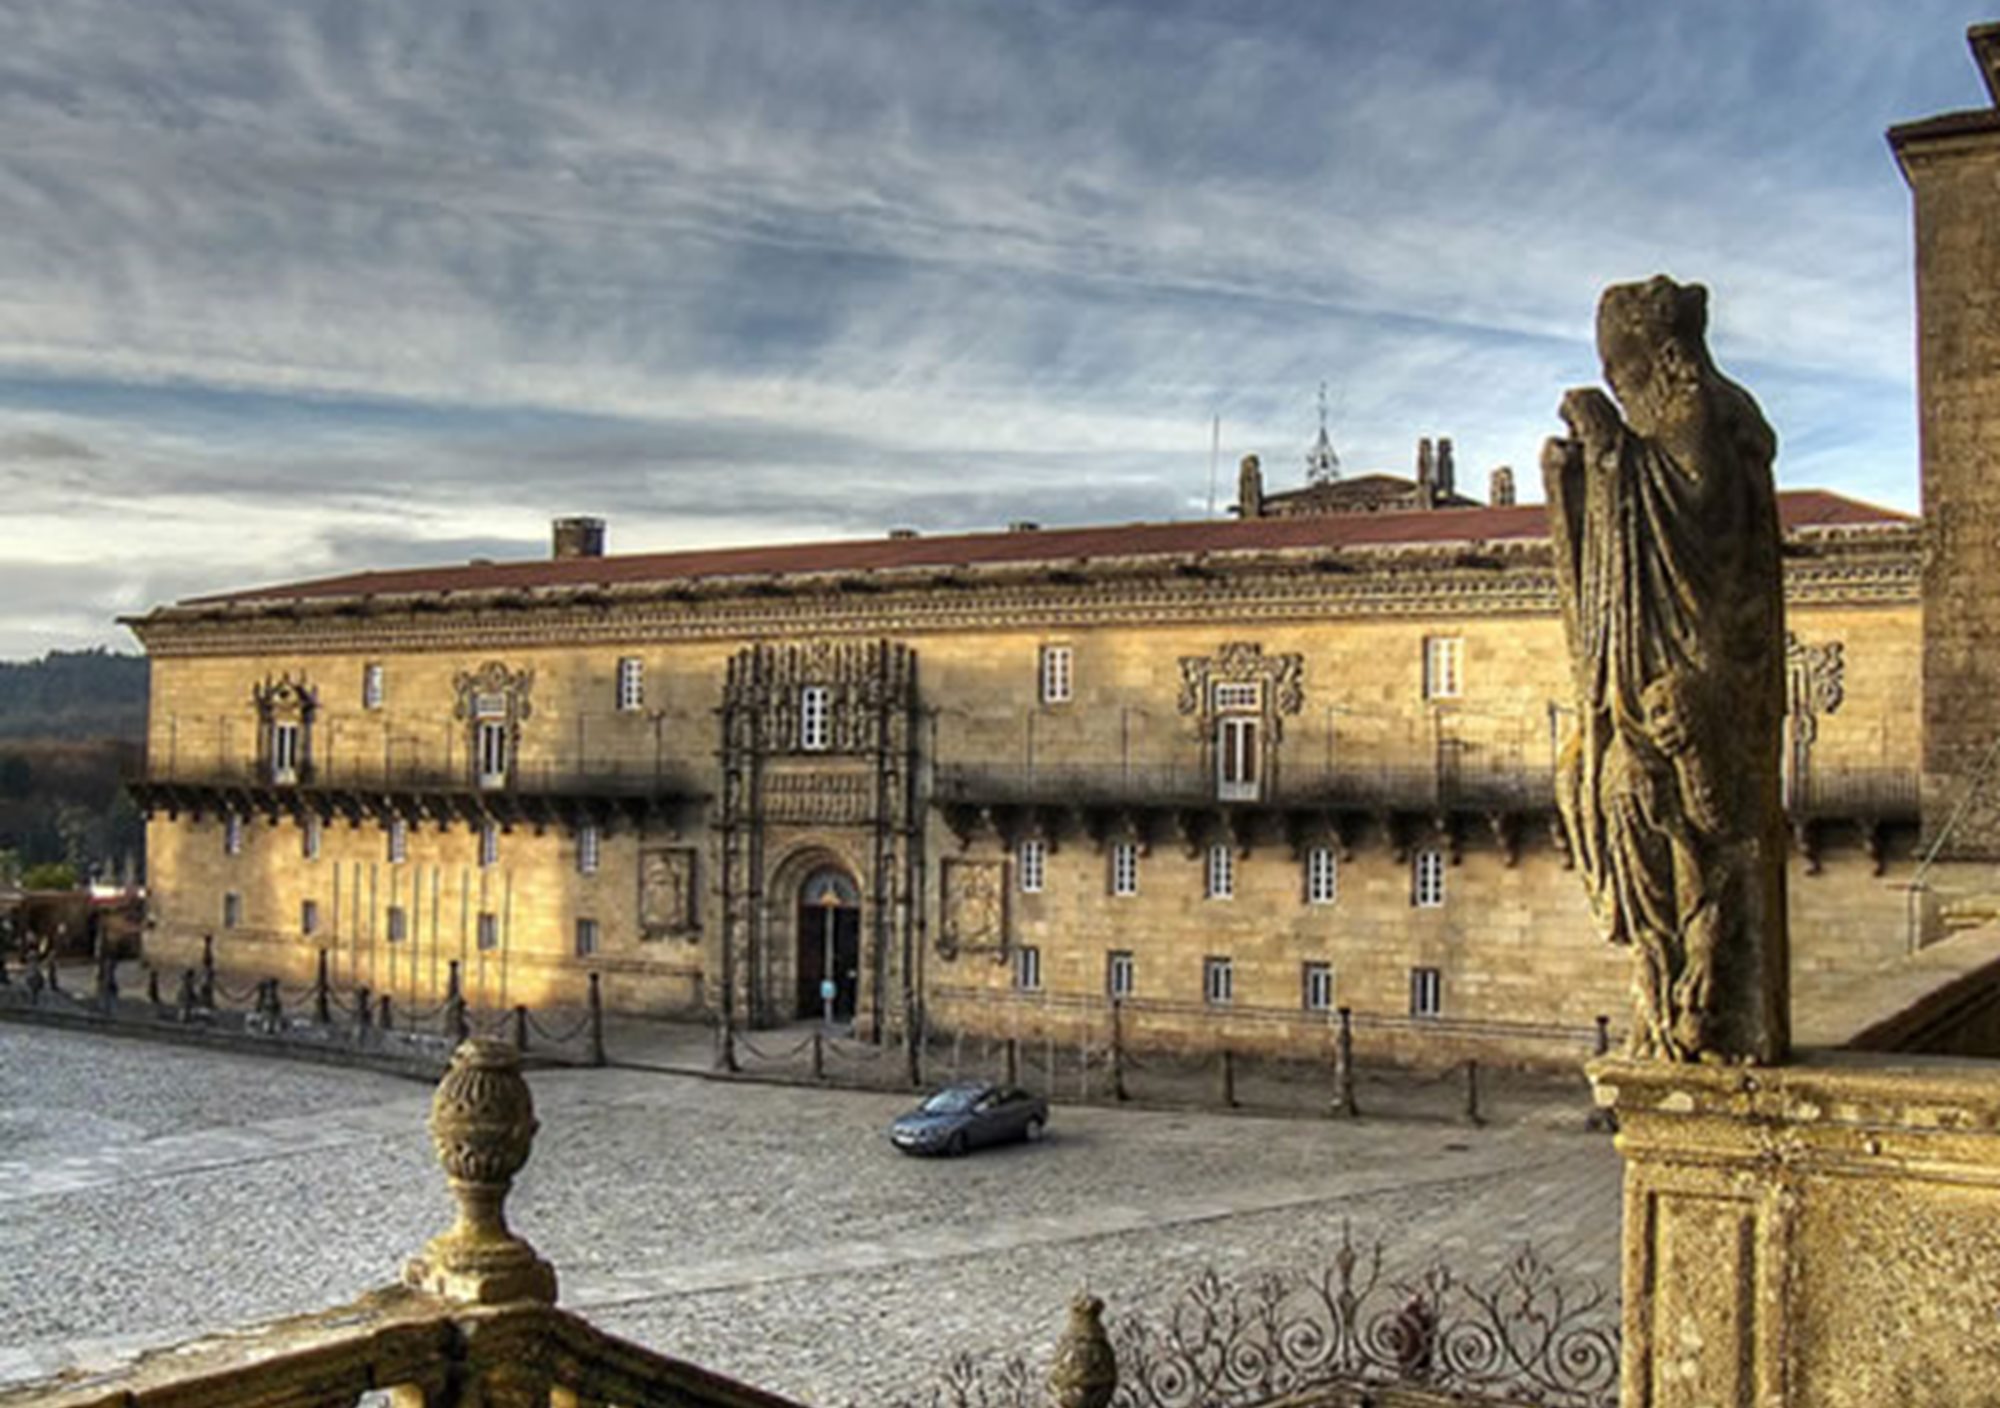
column 74, row 694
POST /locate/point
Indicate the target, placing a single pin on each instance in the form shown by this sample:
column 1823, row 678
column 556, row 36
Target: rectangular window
column 1125, row 869
column 1236, row 695
column 1028, row 969
column 587, row 850
column 1033, row 861
column 1426, row 992
column 1444, row 667
column 491, row 742
column 232, row 909
column 1316, row 982
column 371, row 686
column 631, row 684
column 586, row 937
column 232, row 834
column 1057, row 668
column 308, row 917
column 1218, row 981
column 284, row 752
column 489, row 930
column 815, row 711
column 399, row 924
column 1322, row 876
column 489, row 846
column 1118, row 974
column 309, row 836
column 1427, row 879
column 1221, row 873
column 1237, row 766
column 399, row 841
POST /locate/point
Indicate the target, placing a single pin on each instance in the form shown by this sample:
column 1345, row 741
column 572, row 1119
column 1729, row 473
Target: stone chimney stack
column 1250, row 488
column 1443, row 479
column 579, row 537
column 1500, row 488
column 1426, row 474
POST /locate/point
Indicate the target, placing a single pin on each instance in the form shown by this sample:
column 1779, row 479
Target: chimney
column 1250, row 488
column 579, row 537
column 1024, row 525
column 1426, row 474
column 1444, row 476
column 1500, row 488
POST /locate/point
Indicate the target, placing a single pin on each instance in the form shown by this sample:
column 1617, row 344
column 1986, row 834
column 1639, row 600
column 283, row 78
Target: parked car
column 966, row 1115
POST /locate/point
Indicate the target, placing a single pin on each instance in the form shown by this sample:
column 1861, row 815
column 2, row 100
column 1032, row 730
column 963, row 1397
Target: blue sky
column 293, row 288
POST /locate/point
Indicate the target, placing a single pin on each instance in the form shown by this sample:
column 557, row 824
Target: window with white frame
column 815, row 718
column 1031, row 859
column 399, row 924
column 1316, row 987
column 1322, row 875
column 399, row 841
column 588, row 850
column 1427, row 879
column 586, row 937
column 1221, row 884
column 1058, row 673
column 1118, row 974
column 1028, row 969
column 631, row 684
column 1444, row 667
column 309, row 836
column 308, row 917
column 371, row 685
column 232, row 909
column 1239, row 763
column 489, row 846
column 232, row 834
column 285, row 751
column 1125, row 868
column 490, row 739
column 1426, row 992
column 1218, row 981
column 488, row 929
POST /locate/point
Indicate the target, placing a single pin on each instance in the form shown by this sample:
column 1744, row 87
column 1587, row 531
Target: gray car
column 966, row 1115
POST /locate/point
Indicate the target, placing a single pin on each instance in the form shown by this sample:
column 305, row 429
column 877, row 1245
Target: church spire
column 1322, row 464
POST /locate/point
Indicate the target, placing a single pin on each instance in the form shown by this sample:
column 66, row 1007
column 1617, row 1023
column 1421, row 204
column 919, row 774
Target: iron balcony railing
column 1397, row 785
column 1882, row 792
column 625, row 777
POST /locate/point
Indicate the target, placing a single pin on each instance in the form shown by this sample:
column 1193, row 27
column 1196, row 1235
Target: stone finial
column 1085, row 1371
column 1250, row 488
column 1500, row 487
column 483, row 1127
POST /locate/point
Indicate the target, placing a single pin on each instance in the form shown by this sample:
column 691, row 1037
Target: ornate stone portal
column 1664, row 526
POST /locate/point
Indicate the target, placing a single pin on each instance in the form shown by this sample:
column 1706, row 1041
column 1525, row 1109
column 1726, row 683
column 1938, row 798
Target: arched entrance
column 829, row 939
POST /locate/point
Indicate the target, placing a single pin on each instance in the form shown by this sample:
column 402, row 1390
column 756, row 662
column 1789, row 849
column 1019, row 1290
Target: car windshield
column 954, row 1100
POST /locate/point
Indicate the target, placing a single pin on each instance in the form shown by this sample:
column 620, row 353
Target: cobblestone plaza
column 148, row 1193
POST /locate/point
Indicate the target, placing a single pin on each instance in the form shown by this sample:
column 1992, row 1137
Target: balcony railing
column 621, row 777
column 1393, row 785
column 1880, row 792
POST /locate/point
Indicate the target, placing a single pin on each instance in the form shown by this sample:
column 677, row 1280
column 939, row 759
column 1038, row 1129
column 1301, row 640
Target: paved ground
column 148, row 1193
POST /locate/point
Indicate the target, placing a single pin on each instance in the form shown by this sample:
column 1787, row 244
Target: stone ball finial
column 483, row 1127
column 1085, row 1371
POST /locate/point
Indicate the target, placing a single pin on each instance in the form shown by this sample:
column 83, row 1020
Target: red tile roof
column 1800, row 509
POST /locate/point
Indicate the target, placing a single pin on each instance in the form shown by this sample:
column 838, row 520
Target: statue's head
column 1652, row 339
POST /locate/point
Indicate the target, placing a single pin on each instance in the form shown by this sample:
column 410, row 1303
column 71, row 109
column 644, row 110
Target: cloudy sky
column 292, row 288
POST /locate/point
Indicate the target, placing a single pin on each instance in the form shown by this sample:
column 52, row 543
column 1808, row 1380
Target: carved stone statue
column 1664, row 525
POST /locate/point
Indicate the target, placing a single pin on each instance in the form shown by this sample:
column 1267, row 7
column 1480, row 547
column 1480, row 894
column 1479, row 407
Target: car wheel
column 955, row 1145
column 1035, row 1128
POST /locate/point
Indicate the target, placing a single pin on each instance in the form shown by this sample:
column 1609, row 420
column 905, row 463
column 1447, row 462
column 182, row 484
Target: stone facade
column 1396, row 716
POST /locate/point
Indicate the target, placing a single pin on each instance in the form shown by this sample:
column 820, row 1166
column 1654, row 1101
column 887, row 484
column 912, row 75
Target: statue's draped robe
column 1673, row 610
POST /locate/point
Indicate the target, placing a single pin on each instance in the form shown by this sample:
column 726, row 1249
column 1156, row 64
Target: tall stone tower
column 1952, row 163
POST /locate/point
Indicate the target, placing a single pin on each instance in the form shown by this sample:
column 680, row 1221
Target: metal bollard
column 1599, row 1120
column 1345, row 1107
column 596, row 1052
column 107, row 984
column 188, row 995
column 385, row 1016
column 725, row 1045
column 1013, row 1059
column 456, row 1023
column 53, row 976
column 1227, row 1084
column 208, row 971
column 1472, row 1115
column 819, row 1055
column 521, row 1028
column 152, row 986
column 364, row 1014
column 323, row 994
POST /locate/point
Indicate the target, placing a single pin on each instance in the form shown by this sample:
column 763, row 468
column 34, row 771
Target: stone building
column 1236, row 773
